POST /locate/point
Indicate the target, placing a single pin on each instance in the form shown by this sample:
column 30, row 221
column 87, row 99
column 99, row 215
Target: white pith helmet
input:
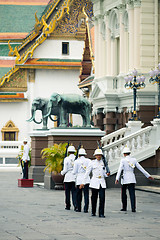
column 98, row 151
column 126, row 150
column 71, row 149
column 25, row 140
column 82, row 151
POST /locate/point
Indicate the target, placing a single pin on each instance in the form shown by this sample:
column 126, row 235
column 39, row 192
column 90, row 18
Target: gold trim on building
column 31, row 75
column 14, row 100
column 51, row 67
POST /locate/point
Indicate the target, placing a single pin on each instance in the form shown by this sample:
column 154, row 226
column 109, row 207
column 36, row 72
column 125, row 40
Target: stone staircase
column 143, row 142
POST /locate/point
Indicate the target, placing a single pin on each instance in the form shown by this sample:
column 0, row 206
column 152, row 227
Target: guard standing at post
column 25, row 159
column 79, row 170
column 69, row 179
column 97, row 183
column 128, row 180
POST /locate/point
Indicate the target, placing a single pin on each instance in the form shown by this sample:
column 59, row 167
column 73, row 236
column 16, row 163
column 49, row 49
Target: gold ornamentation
column 38, row 24
column 16, row 82
column 10, row 49
column 10, row 127
column 6, row 77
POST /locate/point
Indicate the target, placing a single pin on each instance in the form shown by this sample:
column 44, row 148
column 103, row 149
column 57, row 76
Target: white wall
column 17, row 113
column 60, row 81
column 53, row 49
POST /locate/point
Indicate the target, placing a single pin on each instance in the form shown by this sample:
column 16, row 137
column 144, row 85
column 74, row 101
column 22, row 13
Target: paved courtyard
column 38, row 214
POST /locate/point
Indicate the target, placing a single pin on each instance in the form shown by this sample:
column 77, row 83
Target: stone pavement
column 38, row 214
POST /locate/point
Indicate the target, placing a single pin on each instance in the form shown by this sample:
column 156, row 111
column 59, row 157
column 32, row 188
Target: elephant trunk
column 33, row 111
column 33, row 116
column 49, row 110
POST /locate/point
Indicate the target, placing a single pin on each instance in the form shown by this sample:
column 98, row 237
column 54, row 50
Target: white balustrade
column 9, row 151
column 112, row 137
column 138, row 142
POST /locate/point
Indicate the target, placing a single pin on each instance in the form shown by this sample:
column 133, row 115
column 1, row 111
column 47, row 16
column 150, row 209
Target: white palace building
column 126, row 38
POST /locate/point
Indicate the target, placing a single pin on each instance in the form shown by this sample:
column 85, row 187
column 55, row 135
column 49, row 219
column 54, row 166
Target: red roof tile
column 7, row 63
column 24, row 2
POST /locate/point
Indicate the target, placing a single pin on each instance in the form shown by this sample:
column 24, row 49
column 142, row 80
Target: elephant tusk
column 30, row 120
column 54, row 120
column 37, row 121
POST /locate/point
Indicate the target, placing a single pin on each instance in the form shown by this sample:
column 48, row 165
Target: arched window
column 125, row 20
column 114, row 23
column 10, row 132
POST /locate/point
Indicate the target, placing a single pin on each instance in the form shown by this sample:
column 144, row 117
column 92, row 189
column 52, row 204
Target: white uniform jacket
column 80, row 166
column 128, row 164
column 98, row 174
column 68, row 168
column 26, row 153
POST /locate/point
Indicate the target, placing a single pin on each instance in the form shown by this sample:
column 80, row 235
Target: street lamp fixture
column 133, row 81
column 155, row 78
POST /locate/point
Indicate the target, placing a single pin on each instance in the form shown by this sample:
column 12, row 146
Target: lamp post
column 133, row 81
column 155, row 78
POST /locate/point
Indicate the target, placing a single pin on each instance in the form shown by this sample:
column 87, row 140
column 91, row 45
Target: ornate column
column 131, row 35
column 96, row 46
column 137, row 5
column 101, row 47
column 122, row 40
column 108, row 47
column 113, row 56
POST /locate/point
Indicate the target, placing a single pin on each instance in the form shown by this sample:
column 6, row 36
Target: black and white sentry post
column 155, row 78
column 133, row 81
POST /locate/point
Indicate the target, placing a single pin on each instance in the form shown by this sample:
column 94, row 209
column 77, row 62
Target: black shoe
column 101, row 216
column 77, row 210
column 67, row 208
column 123, row 210
column 85, row 211
column 93, row 215
column 133, row 210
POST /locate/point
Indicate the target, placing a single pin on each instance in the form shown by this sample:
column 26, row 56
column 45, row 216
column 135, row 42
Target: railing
column 140, row 143
column 9, row 151
column 112, row 137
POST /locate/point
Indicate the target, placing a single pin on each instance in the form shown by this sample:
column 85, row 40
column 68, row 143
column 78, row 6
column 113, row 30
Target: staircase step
column 151, row 189
column 156, row 177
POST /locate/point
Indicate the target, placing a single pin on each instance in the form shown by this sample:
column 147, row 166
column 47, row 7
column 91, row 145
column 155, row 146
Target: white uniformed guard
column 79, row 170
column 128, row 180
column 69, row 179
column 25, row 158
column 97, row 183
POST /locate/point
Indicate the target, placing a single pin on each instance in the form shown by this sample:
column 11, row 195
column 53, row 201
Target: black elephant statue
column 70, row 103
column 42, row 104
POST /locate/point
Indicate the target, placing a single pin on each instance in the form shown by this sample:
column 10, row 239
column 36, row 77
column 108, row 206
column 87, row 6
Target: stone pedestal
column 42, row 139
column 48, row 182
column 156, row 124
column 133, row 126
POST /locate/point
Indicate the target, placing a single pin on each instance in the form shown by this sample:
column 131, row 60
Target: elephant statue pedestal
column 42, row 139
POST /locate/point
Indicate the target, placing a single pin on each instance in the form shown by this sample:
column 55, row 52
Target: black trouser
column 94, row 198
column 131, row 189
column 86, row 197
column 25, row 170
column 70, row 188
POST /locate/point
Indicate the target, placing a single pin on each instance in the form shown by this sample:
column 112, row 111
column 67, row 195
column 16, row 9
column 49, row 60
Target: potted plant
column 54, row 156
